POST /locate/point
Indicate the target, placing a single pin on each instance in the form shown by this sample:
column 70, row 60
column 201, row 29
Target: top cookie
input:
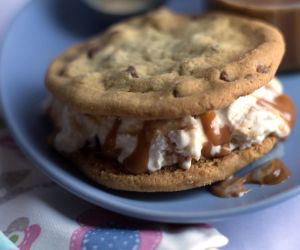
column 164, row 65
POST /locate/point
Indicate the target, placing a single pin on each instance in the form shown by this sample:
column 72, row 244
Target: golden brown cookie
column 165, row 65
column 111, row 174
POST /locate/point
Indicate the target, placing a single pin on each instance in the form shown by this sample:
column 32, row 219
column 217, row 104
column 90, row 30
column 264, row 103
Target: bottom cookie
column 111, row 174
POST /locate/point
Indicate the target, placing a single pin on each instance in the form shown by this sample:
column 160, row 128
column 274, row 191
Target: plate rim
column 87, row 192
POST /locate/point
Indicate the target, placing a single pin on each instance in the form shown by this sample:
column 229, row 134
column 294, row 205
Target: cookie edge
column 169, row 179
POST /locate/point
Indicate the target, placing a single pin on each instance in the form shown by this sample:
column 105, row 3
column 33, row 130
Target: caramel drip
column 270, row 173
column 109, row 146
column 215, row 135
column 136, row 163
column 284, row 105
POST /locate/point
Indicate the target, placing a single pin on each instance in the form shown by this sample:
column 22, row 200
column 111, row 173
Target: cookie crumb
column 132, row 71
column 61, row 72
column 92, row 51
column 175, row 93
column 224, row 76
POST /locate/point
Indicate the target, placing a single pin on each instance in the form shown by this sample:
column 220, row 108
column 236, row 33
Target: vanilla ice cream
column 150, row 145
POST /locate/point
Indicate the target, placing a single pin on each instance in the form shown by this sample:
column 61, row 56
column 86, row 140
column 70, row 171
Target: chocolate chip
column 214, row 48
column 132, row 71
column 112, row 33
column 224, row 76
column 105, row 40
column 70, row 57
column 175, row 93
column 263, row 69
column 194, row 17
column 92, row 51
column 248, row 76
column 61, row 72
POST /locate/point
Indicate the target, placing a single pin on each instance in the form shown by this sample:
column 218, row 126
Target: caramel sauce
column 136, row 163
column 216, row 135
column 284, row 105
column 109, row 146
column 270, row 173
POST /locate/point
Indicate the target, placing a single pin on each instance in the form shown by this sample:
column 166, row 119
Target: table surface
column 273, row 228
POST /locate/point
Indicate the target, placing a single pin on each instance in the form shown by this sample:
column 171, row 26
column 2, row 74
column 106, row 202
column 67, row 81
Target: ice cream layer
column 143, row 146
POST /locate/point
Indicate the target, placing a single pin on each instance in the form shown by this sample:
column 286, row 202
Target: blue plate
column 45, row 28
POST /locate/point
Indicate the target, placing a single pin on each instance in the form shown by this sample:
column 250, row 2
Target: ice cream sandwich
column 168, row 102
